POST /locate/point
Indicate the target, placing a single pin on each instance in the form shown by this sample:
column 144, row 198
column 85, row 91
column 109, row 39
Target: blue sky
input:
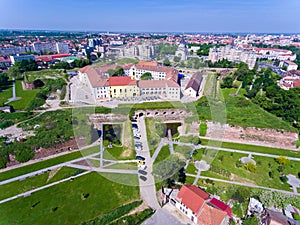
column 152, row 15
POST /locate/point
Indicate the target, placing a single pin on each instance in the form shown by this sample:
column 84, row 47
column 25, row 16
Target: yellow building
column 123, row 87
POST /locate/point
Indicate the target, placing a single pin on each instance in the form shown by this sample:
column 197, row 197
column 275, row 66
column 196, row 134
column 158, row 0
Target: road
column 147, row 187
column 162, row 217
column 243, row 184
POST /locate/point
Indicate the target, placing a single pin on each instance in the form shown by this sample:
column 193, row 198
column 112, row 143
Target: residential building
column 145, row 51
column 123, row 87
column 200, row 207
column 288, row 82
column 289, row 65
column 274, row 53
column 233, row 54
column 193, row 87
column 47, row 47
column 5, row 62
column 270, row 217
column 19, row 58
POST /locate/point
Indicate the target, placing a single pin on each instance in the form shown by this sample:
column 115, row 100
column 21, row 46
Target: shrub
column 282, row 160
column 250, row 166
column 271, row 174
column 284, row 179
column 238, row 164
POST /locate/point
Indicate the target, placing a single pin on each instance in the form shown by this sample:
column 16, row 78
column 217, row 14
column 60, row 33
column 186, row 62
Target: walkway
column 243, row 184
column 28, row 193
column 247, row 152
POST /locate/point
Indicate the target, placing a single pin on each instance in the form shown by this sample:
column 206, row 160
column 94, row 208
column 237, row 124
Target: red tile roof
column 193, row 197
column 84, row 69
column 222, row 206
column 296, row 83
column 121, row 81
column 210, row 216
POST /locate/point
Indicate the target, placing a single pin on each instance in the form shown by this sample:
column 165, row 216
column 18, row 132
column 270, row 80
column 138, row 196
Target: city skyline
column 266, row 16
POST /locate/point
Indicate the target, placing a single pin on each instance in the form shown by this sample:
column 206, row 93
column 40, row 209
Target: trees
column 118, row 71
column 176, row 59
column 61, row 65
column 146, row 76
column 3, row 79
column 24, row 154
column 227, row 82
column 166, row 62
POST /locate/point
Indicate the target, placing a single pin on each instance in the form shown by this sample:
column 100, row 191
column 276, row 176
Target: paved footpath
column 243, row 184
column 28, row 193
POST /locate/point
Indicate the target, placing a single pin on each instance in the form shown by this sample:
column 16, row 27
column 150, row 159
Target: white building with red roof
column 158, row 72
column 164, row 85
column 289, row 65
column 200, row 207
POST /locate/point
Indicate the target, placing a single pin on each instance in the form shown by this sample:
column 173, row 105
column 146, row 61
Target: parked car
column 142, row 172
column 138, row 157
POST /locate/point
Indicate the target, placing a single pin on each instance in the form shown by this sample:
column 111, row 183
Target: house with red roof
column 200, row 207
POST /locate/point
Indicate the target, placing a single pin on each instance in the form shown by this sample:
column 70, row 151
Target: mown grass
column 260, row 177
column 5, row 94
column 18, row 187
column 64, row 204
column 163, row 154
column 116, row 153
column 252, row 148
column 26, row 97
column 126, row 60
column 46, row 163
column 236, row 111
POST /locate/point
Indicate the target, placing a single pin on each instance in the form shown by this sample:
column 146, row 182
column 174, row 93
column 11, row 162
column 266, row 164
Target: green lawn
column 126, row 61
column 18, row 187
column 5, row 94
column 236, row 111
column 116, row 153
column 26, row 97
column 123, row 166
column 260, row 177
column 152, row 137
column 63, row 203
column 46, row 163
column 163, row 154
column 253, row 148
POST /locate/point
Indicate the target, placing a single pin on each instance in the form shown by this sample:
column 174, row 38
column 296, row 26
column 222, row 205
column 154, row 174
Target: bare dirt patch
column 252, row 135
